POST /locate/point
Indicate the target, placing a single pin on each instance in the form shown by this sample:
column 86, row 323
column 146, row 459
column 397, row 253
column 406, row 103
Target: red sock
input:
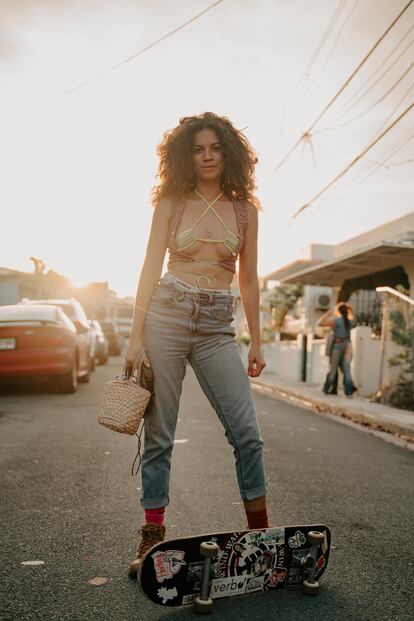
column 257, row 519
column 155, row 516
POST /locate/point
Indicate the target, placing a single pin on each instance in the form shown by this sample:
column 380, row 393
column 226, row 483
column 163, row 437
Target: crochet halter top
column 233, row 242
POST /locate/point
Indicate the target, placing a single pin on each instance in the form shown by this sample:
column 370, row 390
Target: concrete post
column 302, row 356
column 309, row 358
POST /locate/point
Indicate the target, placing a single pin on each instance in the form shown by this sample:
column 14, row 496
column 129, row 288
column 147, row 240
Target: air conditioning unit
column 322, row 301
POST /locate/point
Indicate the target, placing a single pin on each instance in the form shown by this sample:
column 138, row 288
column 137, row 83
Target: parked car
column 75, row 312
column 114, row 338
column 39, row 340
column 101, row 343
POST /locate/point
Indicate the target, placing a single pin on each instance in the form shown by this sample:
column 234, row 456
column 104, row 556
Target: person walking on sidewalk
column 206, row 217
column 340, row 319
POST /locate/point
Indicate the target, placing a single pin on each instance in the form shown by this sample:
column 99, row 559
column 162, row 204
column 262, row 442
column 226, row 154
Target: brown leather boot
column 150, row 535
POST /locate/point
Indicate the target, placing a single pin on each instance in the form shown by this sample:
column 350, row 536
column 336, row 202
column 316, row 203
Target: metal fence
column 368, row 309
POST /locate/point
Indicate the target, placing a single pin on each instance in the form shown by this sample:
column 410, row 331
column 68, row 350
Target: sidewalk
column 376, row 416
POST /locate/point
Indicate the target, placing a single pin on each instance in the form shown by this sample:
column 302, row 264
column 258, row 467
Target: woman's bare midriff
column 191, row 272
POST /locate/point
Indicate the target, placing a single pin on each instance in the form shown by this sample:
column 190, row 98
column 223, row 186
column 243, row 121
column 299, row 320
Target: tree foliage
column 402, row 333
column 280, row 301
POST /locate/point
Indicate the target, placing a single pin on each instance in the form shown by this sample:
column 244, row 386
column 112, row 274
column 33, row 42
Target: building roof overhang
column 380, row 256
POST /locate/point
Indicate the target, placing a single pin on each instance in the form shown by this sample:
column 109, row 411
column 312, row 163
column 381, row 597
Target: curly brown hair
column 175, row 170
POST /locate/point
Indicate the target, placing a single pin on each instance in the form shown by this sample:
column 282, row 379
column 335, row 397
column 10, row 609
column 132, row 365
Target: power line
column 375, row 103
column 410, row 88
column 322, row 41
column 130, row 58
column 353, row 162
column 324, row 38
column 343, row 87
column 348, row 105
column 338, row 36
column 370, row 170
column 383, row 157
column 369, row 161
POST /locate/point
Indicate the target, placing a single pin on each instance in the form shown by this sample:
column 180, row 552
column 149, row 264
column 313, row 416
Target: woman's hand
column 256, row 361
column 132, row 357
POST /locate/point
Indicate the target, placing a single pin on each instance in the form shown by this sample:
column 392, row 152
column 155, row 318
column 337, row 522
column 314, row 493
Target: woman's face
column 208, row 161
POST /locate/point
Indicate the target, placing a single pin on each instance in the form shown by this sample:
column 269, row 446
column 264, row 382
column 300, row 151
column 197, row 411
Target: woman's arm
column 250, row 294
column 327, row 320
column 150, row 274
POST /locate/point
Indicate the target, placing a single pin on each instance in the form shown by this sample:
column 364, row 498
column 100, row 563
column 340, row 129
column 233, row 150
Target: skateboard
column 197, row 570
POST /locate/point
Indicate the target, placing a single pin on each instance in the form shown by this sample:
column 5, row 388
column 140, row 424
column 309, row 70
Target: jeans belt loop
column 196, row 301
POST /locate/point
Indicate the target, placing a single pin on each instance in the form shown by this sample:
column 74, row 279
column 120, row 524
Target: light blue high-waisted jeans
column 189, row 323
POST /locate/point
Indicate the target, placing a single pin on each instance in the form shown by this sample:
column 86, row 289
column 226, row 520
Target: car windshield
column 29, row 312
column 65, row 319
column 69, row 310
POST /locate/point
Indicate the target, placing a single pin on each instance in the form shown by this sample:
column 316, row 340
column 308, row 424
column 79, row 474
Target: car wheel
column 68, row 382
column 85, row 378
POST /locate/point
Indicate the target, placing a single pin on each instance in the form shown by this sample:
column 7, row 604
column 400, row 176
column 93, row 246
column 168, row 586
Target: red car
column 41, row 340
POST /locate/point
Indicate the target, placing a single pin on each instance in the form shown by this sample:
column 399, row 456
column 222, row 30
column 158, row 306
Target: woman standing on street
column 206, row 217
column 340, row 319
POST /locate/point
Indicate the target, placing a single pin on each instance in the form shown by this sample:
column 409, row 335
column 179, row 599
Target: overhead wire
column 129, row 58
column 322, row 42
column 391, row 114
column 332, row 157
column 375, row 103
column 349, row 105
column 383, row 156
column 318, row 50
column 336, row 41
column 353, row 162
column 369, row 168
column 343, row 87
column 369, row 171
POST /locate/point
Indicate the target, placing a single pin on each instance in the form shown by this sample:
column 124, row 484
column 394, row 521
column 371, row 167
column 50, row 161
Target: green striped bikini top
column 186, row 238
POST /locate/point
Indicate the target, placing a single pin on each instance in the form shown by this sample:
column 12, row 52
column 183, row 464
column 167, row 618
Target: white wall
column 289, row 360
column 283, row 358
column 366, row 360
column 317, row 361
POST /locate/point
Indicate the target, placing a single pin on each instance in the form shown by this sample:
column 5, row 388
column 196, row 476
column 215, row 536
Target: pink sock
column 155, row 516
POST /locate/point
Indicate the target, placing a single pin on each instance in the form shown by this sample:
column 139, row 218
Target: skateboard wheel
column 311, row 587
column 315, row 538
column 203, row 606
column 208, row 549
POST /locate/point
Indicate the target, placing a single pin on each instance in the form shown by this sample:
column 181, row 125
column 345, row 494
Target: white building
column 351, row 270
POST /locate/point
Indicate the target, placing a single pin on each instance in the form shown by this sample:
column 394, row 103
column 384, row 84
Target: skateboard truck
column 308, row 562
column 208, row 550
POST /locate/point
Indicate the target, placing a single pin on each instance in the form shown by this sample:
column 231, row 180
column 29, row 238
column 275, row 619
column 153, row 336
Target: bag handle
column 129, row 373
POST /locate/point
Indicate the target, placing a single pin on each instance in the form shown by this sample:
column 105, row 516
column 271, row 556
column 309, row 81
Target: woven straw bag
column 123, row 403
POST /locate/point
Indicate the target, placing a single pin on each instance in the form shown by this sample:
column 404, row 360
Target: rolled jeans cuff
column 155, row 503
column 252, row 494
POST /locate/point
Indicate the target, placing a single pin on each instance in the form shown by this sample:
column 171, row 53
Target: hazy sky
column 77, row 172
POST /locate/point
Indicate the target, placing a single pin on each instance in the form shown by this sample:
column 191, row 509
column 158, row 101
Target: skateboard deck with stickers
column 203, row 568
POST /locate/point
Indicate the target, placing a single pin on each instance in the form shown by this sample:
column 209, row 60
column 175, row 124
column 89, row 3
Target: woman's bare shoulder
column 252, row 215
column 163, row 207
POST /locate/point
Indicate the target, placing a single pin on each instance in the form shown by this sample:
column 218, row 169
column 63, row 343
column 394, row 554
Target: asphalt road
column 68, row 500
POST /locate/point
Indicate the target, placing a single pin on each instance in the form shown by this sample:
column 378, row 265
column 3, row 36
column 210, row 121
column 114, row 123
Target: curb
column 364, row 419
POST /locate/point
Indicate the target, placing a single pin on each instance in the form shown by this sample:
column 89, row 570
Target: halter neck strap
column 203, row 198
